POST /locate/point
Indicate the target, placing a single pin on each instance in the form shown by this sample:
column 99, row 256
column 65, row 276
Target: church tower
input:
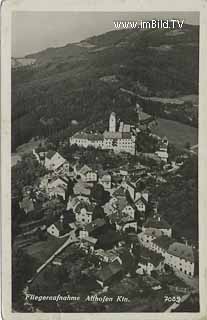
column 112, row 122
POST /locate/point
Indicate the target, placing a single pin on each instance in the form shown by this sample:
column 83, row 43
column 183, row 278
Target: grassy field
column 42, row 250
column 176, row 132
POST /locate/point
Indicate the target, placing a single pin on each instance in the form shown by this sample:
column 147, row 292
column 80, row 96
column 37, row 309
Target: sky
column 36, row 31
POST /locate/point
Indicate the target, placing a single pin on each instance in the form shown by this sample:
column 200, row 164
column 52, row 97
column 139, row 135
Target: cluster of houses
column 99, row 227
column 156, row 237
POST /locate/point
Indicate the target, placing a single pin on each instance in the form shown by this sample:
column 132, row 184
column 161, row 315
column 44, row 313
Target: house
column 86, row 173
column 88, row 243
column 120, row 192
column 141, row 204
column 53, row 160
column 105, row 276
column 57, row 181
column 110, row 206
column 82, row 189
column 146, row 237
column 158, row 223
column 125, row 207
column 58, row 229
column 150, row 261
column 107, row 256
column 83, row 212
column 57, row 187
column 57, row 192
column 105, row 181
column 27, row 204
column 181, row 257
column 162, row 150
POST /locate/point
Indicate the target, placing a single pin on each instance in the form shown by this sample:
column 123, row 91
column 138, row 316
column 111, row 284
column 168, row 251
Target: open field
column 42, row 250
column 176, row 132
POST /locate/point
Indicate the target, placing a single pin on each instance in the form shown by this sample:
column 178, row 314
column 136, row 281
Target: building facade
column 121, row 140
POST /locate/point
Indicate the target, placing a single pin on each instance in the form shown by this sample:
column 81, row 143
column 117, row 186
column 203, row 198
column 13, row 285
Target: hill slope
column 82, row 81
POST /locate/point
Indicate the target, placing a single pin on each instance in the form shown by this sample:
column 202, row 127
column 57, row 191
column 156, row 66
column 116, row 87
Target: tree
column 98, row 212
column 23, row 267
column 99, row 194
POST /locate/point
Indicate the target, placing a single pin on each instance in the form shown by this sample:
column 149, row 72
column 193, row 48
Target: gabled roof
column 84, row 169
column 105, row 178
column 109, row 271
column 156, row 222
column 90, row 240
column 81, row 188
column 88, row 136
column 182, row 251
column 142, row 199
column 120, row 192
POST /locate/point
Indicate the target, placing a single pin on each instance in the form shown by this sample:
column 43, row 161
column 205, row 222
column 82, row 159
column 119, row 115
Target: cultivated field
column 176, row 132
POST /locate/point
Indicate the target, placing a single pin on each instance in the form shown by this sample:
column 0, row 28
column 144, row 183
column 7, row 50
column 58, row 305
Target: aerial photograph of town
column 104, row 162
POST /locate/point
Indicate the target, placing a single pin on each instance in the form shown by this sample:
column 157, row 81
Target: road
column 71, row 239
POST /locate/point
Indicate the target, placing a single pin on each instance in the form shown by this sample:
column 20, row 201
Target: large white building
column 121, row 140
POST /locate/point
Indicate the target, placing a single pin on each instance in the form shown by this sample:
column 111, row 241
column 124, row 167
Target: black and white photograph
column 104, row 162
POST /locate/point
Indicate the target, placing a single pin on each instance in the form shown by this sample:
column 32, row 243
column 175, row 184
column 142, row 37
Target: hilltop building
column 121, row 140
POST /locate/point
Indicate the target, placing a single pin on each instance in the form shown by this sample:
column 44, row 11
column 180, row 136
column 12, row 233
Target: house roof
column 105, row 178
column 95, row 224
column 156, row 222
column 147, row 255
column 182, row 251
column 109, row 271
column 50, row 154
column 60, row 226
column 81, row 188
column 163, row 242
column 120, row 192
column 88, row 136
column 89, row 239
column 84, row 169
column 142, row 199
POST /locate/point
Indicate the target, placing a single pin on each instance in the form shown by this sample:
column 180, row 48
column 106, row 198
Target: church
column 118, row 137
